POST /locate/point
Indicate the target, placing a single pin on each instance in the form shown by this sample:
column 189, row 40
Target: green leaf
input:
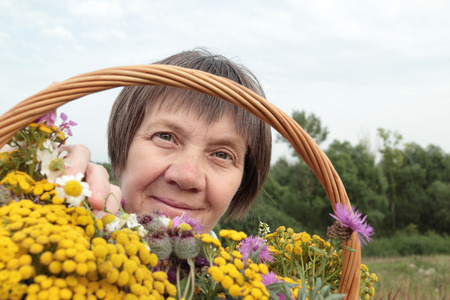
column 349, row 249
column 323, row 264
column 255, row 255
column 318, row 250
column 281, row 287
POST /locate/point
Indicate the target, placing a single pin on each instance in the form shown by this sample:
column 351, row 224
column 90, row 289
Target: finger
column 99, row 213
column 80, row 156
column 113, row 201
column 98, row 179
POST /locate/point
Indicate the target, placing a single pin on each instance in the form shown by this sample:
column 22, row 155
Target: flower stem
column 178, row 282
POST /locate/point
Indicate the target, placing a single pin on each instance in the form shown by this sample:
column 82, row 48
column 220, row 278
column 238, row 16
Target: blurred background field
column 411, row 277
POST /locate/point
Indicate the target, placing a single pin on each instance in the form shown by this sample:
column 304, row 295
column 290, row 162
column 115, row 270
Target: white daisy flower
column 141, row 231
column 52, row 161
column 114, row 225
column 165, row 221
column 133, row 223
column 130, row 220
column 72, row 189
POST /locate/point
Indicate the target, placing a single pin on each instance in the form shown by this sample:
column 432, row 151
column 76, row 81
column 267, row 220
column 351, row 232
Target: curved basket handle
column 165, row 75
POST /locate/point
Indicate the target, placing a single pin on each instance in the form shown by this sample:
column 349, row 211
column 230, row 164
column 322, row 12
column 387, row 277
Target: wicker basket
column 82, row 85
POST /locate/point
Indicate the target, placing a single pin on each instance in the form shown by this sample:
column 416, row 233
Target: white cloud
column 4, row 39
column 95, row 10
column 58, row 32
column 104, row 34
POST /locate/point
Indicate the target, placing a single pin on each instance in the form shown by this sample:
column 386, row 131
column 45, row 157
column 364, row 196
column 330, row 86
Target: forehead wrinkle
column 204, row 107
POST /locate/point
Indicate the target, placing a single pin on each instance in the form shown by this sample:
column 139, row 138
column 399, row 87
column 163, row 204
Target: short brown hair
column 133, row 102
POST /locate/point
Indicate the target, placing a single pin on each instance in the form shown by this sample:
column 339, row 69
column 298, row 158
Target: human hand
column 97, row 177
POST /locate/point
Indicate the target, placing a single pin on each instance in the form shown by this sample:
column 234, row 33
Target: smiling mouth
column 173, row 204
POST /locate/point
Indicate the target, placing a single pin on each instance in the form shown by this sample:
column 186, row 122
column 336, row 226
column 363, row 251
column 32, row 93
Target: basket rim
column 78, row 86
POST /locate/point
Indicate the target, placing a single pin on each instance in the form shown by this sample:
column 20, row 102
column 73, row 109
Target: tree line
column 399, row 186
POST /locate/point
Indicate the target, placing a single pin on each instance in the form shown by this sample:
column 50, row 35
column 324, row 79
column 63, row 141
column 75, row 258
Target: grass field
column 411, row 277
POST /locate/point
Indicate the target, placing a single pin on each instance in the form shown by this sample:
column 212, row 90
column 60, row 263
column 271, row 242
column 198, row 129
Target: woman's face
column 178, row 163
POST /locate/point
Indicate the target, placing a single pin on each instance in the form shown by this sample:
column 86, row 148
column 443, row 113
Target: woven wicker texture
column 56, row 95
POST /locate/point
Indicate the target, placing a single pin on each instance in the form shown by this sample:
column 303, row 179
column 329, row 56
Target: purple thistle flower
column 196, row 225
column 251, row 244
column 49, row 119
column 352, row 218
column 145, row 220
column 65, row 126
column 176, row 221
column 270, row 278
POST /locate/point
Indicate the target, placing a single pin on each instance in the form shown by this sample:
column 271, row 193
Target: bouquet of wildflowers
column 53, row 247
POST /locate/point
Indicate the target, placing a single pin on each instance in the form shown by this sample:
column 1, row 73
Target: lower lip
column 170, row 209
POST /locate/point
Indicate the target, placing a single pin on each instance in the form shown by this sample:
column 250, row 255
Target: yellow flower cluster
column 367, row 289
column 6, row 162
column 45, row 130
column 125, row 263
column 19, row 182
column 27, row 142
column 287, row 243
column 238, row 279
column 294, row 252
column 211, row 246
column 233, row 235
column 294, row 290
column 209, row 240
column 23, row 185
column 53, row 252
column 315, row 258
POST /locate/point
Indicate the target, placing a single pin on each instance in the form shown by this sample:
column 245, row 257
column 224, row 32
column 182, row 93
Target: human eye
column 222, row 155
column 165, row 136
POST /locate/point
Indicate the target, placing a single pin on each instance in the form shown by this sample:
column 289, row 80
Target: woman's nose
column 187, row 173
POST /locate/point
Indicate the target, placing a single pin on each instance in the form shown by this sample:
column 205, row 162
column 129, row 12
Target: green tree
column 392, row 161
column 311, row 124
column 439, row 204
column 304, row 198
column 421, row 188
column 267, row 209
column 363, row 179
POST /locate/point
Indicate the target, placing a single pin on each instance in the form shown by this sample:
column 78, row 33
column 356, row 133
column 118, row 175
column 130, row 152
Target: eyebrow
column 228, row 139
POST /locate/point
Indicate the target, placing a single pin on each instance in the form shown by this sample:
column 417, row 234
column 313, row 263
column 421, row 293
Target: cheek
column 226, row 187
column 137, row 175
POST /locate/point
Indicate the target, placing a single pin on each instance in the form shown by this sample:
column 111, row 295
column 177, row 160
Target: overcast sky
column 357, row 65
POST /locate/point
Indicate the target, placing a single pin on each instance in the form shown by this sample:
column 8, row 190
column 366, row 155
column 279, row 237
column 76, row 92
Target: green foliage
column 267, row 209
column 318, row 292
column 311, row 124
column 438, row 207
column 295, row 188
column 363, row 179
column 408, row 185
column 408, row 241
column 392, row 161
